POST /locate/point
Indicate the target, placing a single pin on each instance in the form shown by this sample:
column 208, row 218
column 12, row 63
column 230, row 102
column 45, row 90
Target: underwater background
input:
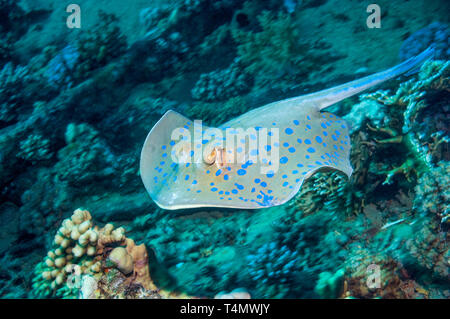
column 77, row 103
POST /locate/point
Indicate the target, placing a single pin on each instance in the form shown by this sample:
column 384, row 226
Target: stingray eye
column 211, row 157
column 216, row 156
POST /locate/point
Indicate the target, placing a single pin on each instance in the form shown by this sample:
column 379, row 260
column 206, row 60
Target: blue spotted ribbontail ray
column 259, row 159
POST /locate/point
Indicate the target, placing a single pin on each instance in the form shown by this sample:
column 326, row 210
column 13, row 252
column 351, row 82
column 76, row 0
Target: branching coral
column 85, row 158
column 324, row 190
column 304, row 247
column 273, row 268
column 419, row 113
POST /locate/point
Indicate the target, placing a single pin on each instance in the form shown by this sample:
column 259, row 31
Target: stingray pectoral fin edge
column 154, row 151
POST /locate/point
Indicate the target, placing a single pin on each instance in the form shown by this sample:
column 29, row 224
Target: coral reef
column 89, row 262
column 60, row 69
column 214, row 117
column 99, row 46
column 81, row 255
column 390, row 284
column 430, row 245
column 329, row 285
column 273, row 268
column 432, row 193
column 122, row 260
column 436, row 34
column 12, row 15
column 76, row 105
column 78, row 247
column 85, row 156
column 152, row 59
column 35, row 148
column 276, row 53
column 13, row 80
column 221, row 84
column 430, row 250
column 328, row 191
column 417, row 113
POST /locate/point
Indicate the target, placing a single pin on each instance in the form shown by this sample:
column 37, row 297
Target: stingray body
column 259, row 159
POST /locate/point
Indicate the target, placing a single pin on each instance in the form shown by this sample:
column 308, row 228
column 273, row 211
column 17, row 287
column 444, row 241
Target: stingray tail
column 331, row 96
column 413, row 64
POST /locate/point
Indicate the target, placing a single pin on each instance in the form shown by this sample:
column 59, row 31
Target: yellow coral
column 120, row 257
column 78, row 246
